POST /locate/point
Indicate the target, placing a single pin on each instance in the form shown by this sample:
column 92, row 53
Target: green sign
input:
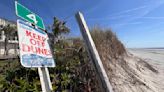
column 26, row 14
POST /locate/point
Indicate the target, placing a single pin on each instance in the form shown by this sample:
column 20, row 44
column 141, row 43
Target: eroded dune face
column 126, row 72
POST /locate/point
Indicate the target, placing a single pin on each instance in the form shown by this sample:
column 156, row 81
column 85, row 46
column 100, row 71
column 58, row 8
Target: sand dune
column 130, row 70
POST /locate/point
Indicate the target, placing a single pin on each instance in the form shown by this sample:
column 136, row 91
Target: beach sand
column 155, row 58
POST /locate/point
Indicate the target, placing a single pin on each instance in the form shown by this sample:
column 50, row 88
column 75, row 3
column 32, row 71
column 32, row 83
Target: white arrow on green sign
column 26, row 14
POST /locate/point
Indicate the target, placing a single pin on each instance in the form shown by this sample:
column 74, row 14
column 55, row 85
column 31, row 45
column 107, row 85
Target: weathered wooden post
column 93, row 53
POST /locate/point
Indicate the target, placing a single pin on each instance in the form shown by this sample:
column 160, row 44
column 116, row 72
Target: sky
column 137, row 23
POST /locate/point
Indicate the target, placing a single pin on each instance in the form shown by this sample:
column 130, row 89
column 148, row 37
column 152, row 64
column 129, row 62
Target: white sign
column 34, row 47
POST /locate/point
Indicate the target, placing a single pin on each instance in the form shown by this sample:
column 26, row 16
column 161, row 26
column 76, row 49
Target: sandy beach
column 154, row 57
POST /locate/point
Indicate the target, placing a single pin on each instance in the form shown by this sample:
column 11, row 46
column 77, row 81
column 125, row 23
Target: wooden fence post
column 93, row 53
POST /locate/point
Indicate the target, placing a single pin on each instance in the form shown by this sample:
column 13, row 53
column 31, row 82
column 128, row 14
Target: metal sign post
column 93, row 53
column 30, row 38
column 34, row 47
column 45, row 79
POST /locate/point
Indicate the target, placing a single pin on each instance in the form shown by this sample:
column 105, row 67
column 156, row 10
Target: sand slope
column 133, row 74
column 129, row 71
